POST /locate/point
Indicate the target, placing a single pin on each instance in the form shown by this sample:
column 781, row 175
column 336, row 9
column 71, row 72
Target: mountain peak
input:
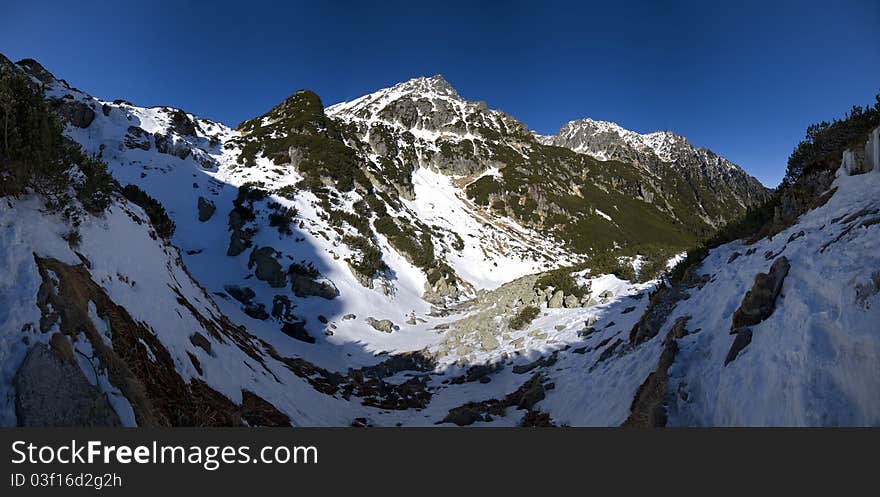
column 432, row 87
column 604, row 139
column 436, row 84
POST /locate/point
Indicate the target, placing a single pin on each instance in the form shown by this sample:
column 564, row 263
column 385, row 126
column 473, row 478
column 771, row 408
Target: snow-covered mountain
column 340, row 267
column 701, row 167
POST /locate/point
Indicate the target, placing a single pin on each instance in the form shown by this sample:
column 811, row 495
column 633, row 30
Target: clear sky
column 742, row 78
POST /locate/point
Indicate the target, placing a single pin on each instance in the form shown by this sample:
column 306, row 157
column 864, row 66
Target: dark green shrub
column 95, row 191
column 561, row 279
column 524, row 317
column 281, row 218
column 33, row 152
column 369, row 260
column 825, row 142
column 163, row 224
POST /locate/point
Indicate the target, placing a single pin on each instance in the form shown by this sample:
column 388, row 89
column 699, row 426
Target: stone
column 305, row 286
column 200, row 341
column 76, row 113
column 282, row 308
column 463, row 416
column 298, row 331
column 268, row 268
column 61, row 346
column 760, row 301
column 743, row 339
column 383, row 325
column 51, row 391
column 171, row 145
column 557, row 300
column 586, row 332
column 206, row 209
column 182, row 124
column 296, row 155
column 571, row 302
column 256, row 311
column 488, row 341
column 243, row 295
column 137, row 137
column 532, row 393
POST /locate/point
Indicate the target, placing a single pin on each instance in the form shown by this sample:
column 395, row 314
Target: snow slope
column 816, row 360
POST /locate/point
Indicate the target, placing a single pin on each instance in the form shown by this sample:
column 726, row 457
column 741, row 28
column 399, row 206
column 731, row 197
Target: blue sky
column 742, row 78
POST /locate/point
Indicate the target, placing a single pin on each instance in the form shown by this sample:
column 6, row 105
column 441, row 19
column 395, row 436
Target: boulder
column 51, row 391
column 206, row 209
column 182, row 124
column 306, row 286
column 256, row 311
column 239, row 241
column 200, row 341
column 76, row 113
column 383, row 325
column 759, row 302
column 137, row 137
column 296, row 155
column 743, row 338
column 282, row 308
column 243, row 295
column 532, row 392
column 557, row 300
column 298, row 331
column 268, row 268
column 171, row 145
column 463, row 416
column 571, row 302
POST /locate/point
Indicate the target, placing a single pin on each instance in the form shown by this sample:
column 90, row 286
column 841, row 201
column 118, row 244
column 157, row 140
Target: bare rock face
column 182, row 124
column 742, row 340
column 76, row 113
column 296, row 155
column 172, row 145
column 268, row 268
column 304, row 286
column 136, row 137
column 757, row 305
column 53, row 391
column 557, row 300
column 759, row 302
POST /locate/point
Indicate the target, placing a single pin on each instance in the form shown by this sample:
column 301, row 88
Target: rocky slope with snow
column 339, row 267
column 716, row 184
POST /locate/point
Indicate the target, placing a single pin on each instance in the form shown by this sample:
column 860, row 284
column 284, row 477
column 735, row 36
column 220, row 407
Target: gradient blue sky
column 741, row 78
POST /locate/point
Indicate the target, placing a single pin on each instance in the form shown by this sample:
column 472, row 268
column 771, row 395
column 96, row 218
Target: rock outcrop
column 206, row 209
column 383, row 325
column 52, row 390
column 268, row 268
column 759, row 302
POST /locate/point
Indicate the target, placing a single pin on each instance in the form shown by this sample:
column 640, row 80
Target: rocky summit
column 413, row 258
